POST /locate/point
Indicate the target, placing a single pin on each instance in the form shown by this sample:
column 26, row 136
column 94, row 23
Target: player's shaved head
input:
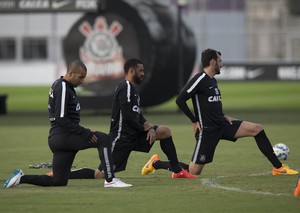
column 76, row 66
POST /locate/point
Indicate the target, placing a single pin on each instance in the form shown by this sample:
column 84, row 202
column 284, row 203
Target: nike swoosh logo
column 56, row 4
column 251, row 74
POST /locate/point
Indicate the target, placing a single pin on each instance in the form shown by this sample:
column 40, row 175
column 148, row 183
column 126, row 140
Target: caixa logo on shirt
column 216, row 98
column 137, row 109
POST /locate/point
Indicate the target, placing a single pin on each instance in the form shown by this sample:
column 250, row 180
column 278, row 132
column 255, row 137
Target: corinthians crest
column 101, row 51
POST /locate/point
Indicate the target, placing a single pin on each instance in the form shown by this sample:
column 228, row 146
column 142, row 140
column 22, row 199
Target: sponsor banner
column 10, row 6
column 234, row 72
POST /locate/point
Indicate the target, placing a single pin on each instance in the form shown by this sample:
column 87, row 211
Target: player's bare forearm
column 147, row 125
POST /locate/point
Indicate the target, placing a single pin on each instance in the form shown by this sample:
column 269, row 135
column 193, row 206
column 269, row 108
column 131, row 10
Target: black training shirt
column 64, row 110
column 126, row 119
column 207, row 101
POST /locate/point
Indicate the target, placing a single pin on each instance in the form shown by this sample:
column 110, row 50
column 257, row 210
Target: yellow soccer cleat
column 297, row 188
column 148, row 168
column 284, row 170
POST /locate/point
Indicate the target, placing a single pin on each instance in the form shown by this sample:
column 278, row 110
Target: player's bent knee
column 163, row 132
column 258, row 128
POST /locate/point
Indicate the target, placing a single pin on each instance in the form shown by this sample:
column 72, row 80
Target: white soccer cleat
column 14, row 179
column 116, row 183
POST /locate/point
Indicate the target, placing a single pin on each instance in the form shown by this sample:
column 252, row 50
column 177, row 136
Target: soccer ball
column 281, row 151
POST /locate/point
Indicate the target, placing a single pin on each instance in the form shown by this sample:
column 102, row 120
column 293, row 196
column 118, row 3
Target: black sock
column 162, row 165
column 266, row 148
column 184, row 166
column 168, row 147
column 83, row 173
column 166, row 165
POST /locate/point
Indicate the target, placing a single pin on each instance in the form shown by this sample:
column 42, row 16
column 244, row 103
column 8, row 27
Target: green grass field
column 239, row 179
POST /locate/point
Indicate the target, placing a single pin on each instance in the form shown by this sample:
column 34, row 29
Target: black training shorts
column 123, row 146
column 207, row 141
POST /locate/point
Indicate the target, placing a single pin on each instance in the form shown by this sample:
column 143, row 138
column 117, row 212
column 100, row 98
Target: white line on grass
column 212, row 182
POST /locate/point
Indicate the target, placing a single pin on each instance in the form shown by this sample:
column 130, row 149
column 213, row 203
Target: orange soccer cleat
column 148, row 168
column 183, row 174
